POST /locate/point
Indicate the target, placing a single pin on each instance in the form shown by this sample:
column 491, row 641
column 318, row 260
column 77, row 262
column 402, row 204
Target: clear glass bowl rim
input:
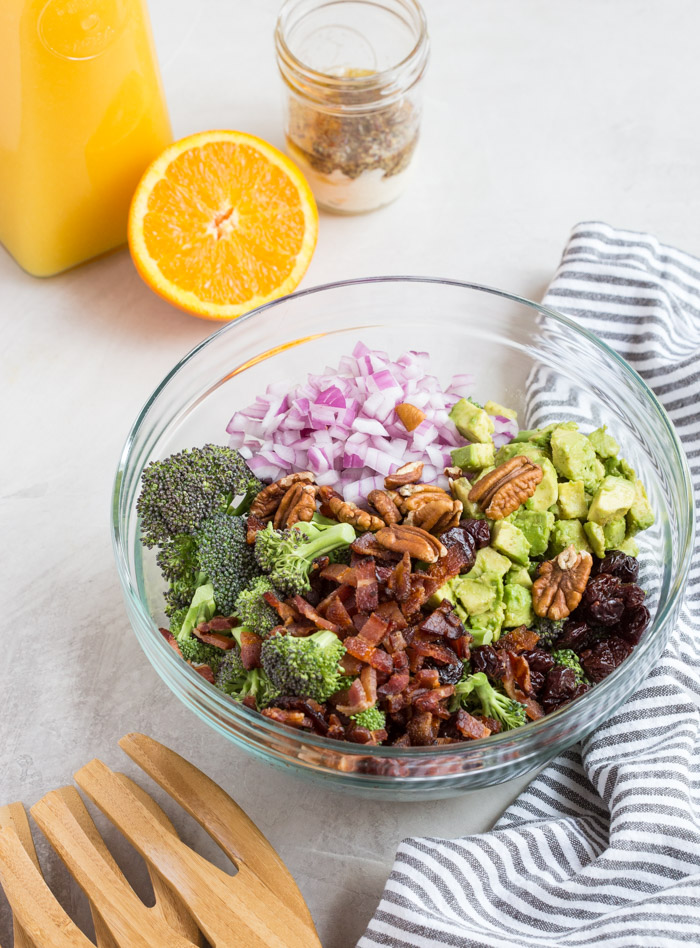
column 524, row 736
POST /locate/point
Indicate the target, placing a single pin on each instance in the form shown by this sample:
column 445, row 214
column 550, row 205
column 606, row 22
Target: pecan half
column 504, row 489
column 298, row 504
column 450, row 518
column 454, row 473
column 347, row 512
column 270, row 497
column 403, row 538
column 409, row 416
column 383, row 502
column 407, row 474
column 427, row 515
column 560, row 583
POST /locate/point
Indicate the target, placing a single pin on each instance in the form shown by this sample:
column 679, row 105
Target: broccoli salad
column 409, row 569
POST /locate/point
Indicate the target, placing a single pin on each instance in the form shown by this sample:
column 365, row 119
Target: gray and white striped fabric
column 603, row 848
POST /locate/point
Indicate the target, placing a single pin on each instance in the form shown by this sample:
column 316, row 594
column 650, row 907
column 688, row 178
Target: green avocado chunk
column 618, row 467
column 472, row 457
column 519, row 576
column 615, row 533
column 493, row 408
column 574, row 457
column 515, row 449
column 604, row 445
column 486, row 627
column 460, row 490
column 542, row 436
column 596, row 537
column 518, row 606
column 489, row 561
column 572, row 500
column 640, row 516
column 566, row 532
column 612, row 500
column 472, row 421
column 629, row 547
column 508, row 539
column 537, row 526
column 547, row 490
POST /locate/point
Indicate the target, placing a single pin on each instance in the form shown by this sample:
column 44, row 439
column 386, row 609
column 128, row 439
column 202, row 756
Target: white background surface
column 539, row 113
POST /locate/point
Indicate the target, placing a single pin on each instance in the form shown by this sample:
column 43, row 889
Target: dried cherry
column 633, row 624
column 486, row 659
column 619, row 564
column 633, row 596
column 449, row 674
column 461, row 537
column 540, row 663
column 576, row 634
column 599, row 661
column 602, row 602
column 560, row 686
column 478, row 530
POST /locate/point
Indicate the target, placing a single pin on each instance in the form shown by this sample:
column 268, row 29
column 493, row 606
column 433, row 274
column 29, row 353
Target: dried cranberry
column 560, row 686
column 632, row 625
column 633, row 596
column 604, row 657
column 575, row 635
column 539, row 663
column 486, row 659
column 449, row 674
column 462, row 538
column 478, row 530
column 626, row 568
column 602, row 602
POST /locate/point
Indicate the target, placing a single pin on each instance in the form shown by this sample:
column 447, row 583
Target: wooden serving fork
column 259, row 907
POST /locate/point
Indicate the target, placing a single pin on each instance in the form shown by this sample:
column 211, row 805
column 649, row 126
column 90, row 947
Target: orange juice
column 82, row 114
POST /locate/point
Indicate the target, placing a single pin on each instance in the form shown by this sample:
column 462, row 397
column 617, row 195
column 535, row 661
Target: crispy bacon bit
column 449, row 566
column 396, row 684
column 400, row 660
column 374, row 629
column 308, row 611
column 512, row 679
column 214, row 638
column 339, row 615
column 441, row 654
column 250, row 702
column 422, row 729
column 471, row 728
column 292, row 718
column 462, row 646
column 491, row 723
column 340, row 573
column 431, row 701
column 391, row 613
column 219, row 624
column 399, row 582
column 403, row 741
column 367, row 591
column 428, row 678
column 250, row 649
column 312, row 709
column 284, row 610
column 394, row 641
column 361, row 695
column 444, row 622
column 336, row 731
column 521, row 639
column 171, row 640
column 205, row 671
column 350, row 664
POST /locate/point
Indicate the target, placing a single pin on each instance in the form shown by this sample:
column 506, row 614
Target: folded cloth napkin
column 603, row 847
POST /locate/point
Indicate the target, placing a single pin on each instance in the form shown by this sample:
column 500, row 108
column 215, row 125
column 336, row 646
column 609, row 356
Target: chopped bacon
column 431, row 701
column 521, row 639
column 336, row 731
column 428, row 678
column 205, row 671
column 422, row 588
column 399, row 581
column 391, row 613
column 396, row 684
column 340, row 573
column 400, row 660
column 394, row 642
column 310, row 613
column 513, row 681
column 520, row 671
column 219, row 624
column 382, row 661
column 403, row 741
column 283, row 609
column 292, row 718
column 358, row 620
column 350, row 664
column 367, row 591
column 224, row 642
column 250, row 649
column 374, row 629
column 422, row 729
column 462, row 646
column 171, row 640
column 491, row 723
column 469, row 726
column 338, row 614
column 443, row 622
column 362, row 735
column 439, row 653
column 449, row 566
column 361, row 695
column 250, row 702
column 312, row 709
column 341, row 593
column 301, row 629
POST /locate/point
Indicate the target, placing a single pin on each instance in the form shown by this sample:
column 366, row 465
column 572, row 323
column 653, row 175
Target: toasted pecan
column 560, row 583
column 418, row 543
column 270, row 497
column 503, row 490
column 407, row 474
column 347, row 512
column 385, row 505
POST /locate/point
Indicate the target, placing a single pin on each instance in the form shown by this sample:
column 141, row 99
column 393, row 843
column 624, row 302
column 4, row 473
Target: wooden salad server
column 259, row 907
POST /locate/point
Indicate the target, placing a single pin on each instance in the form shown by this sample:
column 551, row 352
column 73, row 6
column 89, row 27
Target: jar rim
column 388, row 84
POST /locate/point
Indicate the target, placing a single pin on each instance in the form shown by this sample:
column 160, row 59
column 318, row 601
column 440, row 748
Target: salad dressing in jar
column 352, row 72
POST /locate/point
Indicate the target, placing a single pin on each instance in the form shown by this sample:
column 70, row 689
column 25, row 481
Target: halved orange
column 222, row 222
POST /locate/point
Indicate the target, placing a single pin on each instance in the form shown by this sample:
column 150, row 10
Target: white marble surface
column 538, row 114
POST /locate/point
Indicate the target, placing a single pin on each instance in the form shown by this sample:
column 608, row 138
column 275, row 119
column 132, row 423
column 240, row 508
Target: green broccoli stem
column 342, row 534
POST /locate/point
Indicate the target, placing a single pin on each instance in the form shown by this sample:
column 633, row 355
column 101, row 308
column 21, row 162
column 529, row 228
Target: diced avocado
column 629, row 546
column 618, row 467
column 489, row 561
column 472, row 421
column 508, row 539
column 615, row 533
column 518, row 604
column 566, row 532
column 536, row 525
column 518, row 576
column 486, row 627
column 572, row 500
column 604, row 445
column 460, row 490
column 554, row 509
column 640, row 516
column 542, row 436
column 547, row 490
column 574, row 458
column 612, row 500
column 527, row 450
column 472, row 457
column 596, row 537
column 477, row 595
column 493, row 408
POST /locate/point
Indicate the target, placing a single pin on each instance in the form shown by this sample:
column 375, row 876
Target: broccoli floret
column 568, row 658
column 226, row 559
column 199, row 653
column 476, row 689
column 548, row 630
column 237, row 682
column 288, row 555
column 252, row 609
column 180, row 492
column 304, row 667
column 373, row 719
column 179, row 564
column 183, row 622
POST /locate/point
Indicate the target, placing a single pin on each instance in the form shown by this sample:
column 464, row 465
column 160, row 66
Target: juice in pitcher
column 82, row 113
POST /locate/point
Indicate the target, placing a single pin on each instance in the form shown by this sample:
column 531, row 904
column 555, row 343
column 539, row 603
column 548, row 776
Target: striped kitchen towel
column 603, row 848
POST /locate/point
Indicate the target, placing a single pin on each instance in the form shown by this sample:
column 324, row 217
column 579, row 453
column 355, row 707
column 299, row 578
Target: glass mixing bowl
column 522, row 354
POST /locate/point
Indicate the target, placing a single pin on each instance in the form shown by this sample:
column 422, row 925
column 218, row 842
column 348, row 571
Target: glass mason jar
column 352, row 71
